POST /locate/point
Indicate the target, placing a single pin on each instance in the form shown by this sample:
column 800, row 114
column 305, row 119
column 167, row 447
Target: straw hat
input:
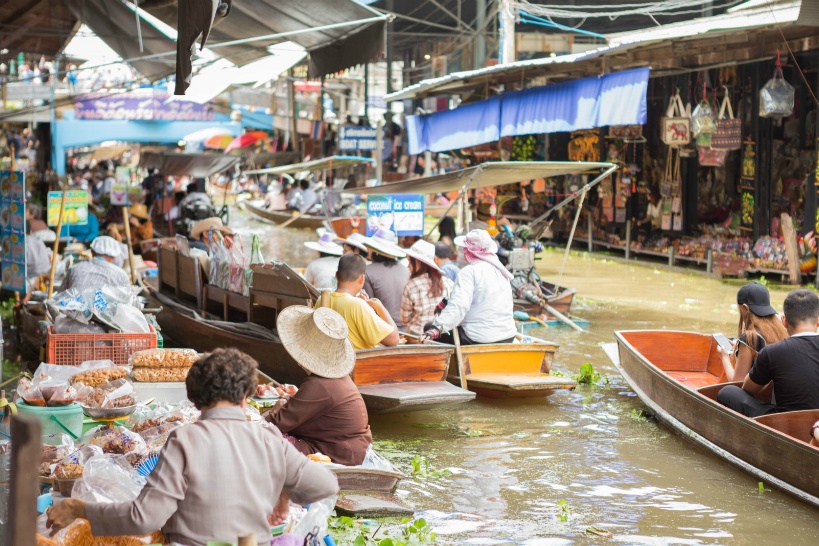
column 317, row 340
column 424, row 251
column 208, row 224
column 140, row 211
column 385, row 242
column 326, row 245
column 106, row 246
column 355, row 239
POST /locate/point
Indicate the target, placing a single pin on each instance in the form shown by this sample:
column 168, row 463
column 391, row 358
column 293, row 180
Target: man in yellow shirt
column 368, row 321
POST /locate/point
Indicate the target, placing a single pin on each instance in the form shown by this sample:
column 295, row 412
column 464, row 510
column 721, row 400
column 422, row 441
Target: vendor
column 327, row 415
column 216, row 479
column 321, row 272
column 199, row 237
column 142, row 228
column 481, row 303
column 100, row 270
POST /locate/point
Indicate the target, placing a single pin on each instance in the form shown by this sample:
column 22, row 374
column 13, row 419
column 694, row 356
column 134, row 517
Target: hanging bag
column 703, row 120
column 676, row 125
column 712, row 157
column 728, row 135
column 776, row 97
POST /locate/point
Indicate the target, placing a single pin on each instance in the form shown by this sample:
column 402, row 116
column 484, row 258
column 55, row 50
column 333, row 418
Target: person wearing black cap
column 791, row 364
column 759, row 325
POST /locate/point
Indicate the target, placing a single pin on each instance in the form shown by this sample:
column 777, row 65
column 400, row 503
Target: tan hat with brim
column 208, row 224
column 317, row 339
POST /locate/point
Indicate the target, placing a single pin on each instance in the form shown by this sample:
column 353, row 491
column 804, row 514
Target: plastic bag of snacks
column 160, row 375
column 155, row 419
column 164, row 358
column 100, row 373
column 156, row 437
column 108, row 478
column 117, row 441
column 53, row 454
column 114, row 394
column 63, row 397
column 72, row 465
column 30, row 393
column 79, row 534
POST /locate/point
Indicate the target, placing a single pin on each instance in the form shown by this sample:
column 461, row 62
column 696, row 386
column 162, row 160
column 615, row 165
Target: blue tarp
column 613, row 99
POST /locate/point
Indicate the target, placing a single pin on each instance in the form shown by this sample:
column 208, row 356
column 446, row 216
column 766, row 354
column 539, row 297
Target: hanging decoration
column 776, row 98
column 747, row 184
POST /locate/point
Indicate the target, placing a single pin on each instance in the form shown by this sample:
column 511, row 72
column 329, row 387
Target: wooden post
column 591, row 232
column 791, row 248
column 126, row 218
column 628, row 240
column 459, row 355
column 670, row 255
column 54, row 255
column 24, row 487
column 709, row 261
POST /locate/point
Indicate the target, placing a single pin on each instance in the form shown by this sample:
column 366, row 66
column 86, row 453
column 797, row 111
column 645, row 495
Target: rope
column 571, row 236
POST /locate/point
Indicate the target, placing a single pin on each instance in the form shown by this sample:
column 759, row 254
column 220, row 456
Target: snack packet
column 30, row 393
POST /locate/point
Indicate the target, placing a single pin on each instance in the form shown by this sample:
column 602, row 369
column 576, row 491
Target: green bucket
column 56, row 420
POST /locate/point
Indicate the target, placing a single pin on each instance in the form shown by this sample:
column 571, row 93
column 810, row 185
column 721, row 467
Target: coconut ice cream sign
column 402, row 214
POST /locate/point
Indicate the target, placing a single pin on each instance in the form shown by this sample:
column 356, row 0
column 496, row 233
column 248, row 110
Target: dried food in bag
column 63, row 397
column 53, row 454
column 100, row 376
column 79, row 534
column 164, row 358
column 50, row 387
column 160, row 375
column 72, row 465
column 118, row 440
column 155, row 438
column 30, row 393
column 107, row 479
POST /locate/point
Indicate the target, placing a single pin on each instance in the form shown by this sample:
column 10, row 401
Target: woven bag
column 728, row 135
column 676, row 125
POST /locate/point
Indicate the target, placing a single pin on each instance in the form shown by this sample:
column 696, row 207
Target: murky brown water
column 512, row 461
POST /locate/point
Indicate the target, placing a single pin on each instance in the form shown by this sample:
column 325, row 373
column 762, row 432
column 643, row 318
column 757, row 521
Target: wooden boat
column 404, row 378
column 342, row 226
column 559, row 297
column 510, row 370
column 678, row 376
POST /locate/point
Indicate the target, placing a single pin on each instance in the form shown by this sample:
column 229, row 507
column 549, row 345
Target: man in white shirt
column 321, row 272
column 481, row 303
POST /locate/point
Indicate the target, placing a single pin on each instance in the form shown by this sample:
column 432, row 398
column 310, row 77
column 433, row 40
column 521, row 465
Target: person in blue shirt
column 83, row 234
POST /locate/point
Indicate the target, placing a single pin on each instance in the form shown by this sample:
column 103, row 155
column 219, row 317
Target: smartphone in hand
column 724, row 342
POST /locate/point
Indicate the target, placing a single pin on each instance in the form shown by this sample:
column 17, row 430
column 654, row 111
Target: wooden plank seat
column 694, row 380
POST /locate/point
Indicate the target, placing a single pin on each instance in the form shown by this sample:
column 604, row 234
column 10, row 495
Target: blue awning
column 612, row 99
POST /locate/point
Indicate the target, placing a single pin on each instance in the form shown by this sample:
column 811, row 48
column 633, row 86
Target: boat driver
column 481, row 303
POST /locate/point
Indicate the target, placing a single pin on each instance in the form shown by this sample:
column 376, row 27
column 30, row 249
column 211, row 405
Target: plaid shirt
column 418, row 304
column 95, row 274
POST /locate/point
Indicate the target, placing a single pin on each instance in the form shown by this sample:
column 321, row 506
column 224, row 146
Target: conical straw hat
column 317, row 340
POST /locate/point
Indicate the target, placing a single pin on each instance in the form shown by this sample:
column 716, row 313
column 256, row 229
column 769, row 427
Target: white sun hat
column 424, row 251
column 385, row 242
column 355, row 239
column 326, row 245
column 106, row 246
column 317, row 339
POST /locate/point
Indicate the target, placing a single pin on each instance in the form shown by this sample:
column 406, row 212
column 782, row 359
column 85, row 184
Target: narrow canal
column 498, row 472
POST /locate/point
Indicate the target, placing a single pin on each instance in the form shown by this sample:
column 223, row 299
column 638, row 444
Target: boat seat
column 520, row 381
column 694, row 380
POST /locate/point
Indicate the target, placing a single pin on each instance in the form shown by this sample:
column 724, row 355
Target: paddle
column 54, row 256
column 560, row 316
column 290, row 221
column 460, row 357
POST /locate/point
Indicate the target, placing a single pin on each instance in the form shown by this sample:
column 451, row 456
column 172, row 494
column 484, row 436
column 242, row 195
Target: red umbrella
column 245, row 140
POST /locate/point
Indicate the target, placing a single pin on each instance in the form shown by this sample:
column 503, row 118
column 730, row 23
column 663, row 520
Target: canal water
column 542, row 472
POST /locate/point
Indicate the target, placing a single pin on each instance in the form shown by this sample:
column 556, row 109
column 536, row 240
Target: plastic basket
column 74, row 349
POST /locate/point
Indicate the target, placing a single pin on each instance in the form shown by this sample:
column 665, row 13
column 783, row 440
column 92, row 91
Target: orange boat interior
column 692, row 359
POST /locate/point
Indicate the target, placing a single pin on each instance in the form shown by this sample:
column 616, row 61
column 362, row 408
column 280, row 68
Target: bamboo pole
column 126, row 218
column 461, row 364
column 54, row 255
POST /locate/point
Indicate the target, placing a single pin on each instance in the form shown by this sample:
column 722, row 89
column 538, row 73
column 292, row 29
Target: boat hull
column 510, row 370
column 342, row 226
column 408, row 378
column 677, row 375
column 561, row 300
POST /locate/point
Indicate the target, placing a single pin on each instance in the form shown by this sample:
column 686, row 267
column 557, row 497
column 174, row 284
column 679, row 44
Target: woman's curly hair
column 227, row 375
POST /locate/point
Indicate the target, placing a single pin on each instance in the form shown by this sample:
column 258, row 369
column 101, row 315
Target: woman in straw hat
column 354, row 244
column 327, row 415
column 200, row 230
column 386, row 277
column 426, row 288
column 216, row 479
column 321, row 272
column 481, row 302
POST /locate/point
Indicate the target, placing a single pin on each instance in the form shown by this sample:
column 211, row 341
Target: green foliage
column 422, row 469
column 761, row 487
column 7, row 312
column 763, row 281
column 639, row 415
column 557, row 373
column 407, row 532
column 587, row 375
column 563, row 510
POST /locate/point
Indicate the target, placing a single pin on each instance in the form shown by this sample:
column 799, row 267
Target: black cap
column 757, row 298
column 442, row 251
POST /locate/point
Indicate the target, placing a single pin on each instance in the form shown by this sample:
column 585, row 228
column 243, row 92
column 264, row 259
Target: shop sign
column 402, row 214
column 28, row 91
column 76, row 208
column 356, row 139
column 12, row 230
column 140, row 105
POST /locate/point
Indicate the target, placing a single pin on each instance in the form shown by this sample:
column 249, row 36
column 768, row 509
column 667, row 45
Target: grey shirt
column 387, row 284
column 94, row 274
column 216, row 479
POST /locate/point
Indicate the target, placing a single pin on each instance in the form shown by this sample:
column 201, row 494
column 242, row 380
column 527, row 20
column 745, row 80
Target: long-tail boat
column 678, row 376
column 204, row 317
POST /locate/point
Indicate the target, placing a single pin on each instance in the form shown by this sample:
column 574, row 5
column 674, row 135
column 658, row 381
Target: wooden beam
column 25, row 454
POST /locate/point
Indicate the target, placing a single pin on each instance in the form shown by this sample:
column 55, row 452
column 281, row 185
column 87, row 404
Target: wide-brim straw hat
column 424, row 251
column 317, row 339
column 140, row 211
column 208, row 224
column 326, row 245
column 385, row 242
column 355, row 239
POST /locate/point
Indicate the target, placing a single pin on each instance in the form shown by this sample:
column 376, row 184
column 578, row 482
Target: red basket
column 74, row 349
